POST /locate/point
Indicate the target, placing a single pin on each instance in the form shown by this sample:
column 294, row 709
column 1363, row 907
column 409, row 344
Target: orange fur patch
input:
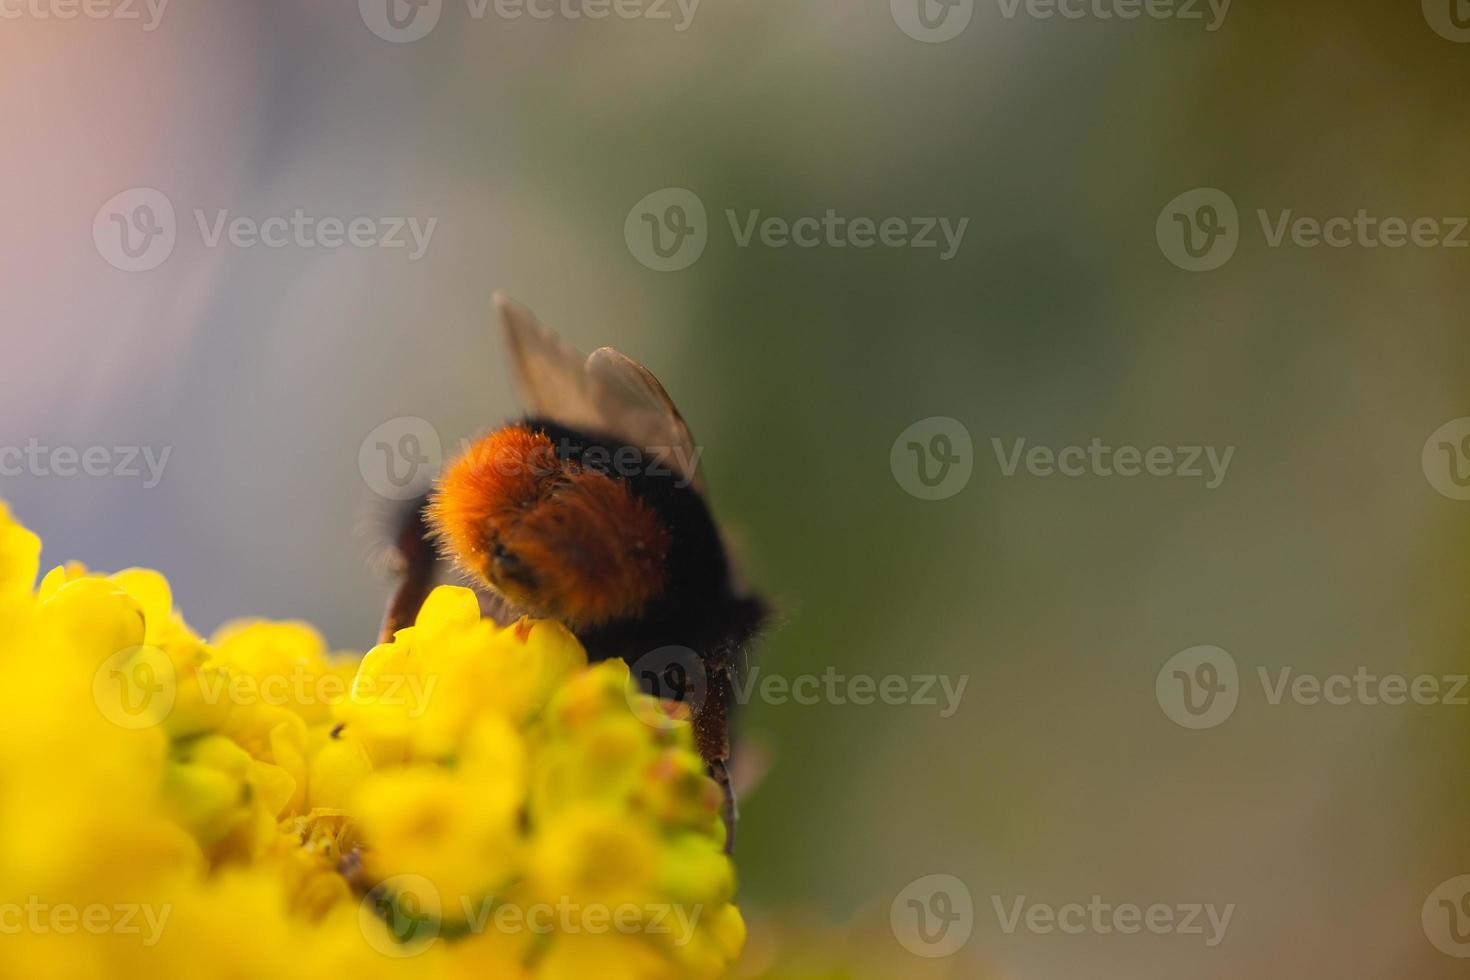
column 561, row 541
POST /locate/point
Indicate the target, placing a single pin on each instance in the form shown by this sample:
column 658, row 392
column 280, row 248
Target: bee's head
column 557, row 539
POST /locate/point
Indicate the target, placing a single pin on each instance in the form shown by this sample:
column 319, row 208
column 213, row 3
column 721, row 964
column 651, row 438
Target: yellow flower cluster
column 464, row 801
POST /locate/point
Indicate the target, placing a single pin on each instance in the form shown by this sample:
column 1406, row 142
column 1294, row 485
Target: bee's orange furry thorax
column 556, row 538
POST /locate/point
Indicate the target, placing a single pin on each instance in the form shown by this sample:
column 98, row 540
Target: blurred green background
column 1060, row 319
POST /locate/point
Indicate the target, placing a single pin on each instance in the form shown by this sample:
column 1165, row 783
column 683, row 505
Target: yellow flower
column 283, row 665
column 20, row 558
column 336, row 768
column 417, row 696
column 467, row 800
column 595, row 853
column 458, row 832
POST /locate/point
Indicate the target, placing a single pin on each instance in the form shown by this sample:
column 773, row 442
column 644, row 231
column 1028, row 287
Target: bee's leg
column 414, row 561
column 720, row 772
column 712, row 737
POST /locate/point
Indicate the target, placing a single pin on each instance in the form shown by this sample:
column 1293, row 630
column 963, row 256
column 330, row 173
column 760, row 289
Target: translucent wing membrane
column 607, row 392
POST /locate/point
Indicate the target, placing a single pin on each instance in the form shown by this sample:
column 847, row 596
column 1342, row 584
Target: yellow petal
column 152, row 592
column 20, row 556
column 448, row 607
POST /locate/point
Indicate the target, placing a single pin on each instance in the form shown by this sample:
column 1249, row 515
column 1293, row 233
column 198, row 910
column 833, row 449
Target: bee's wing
column 607, row 392
column 550, row 374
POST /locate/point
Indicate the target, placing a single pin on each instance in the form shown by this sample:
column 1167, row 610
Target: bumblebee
column 591, row 511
